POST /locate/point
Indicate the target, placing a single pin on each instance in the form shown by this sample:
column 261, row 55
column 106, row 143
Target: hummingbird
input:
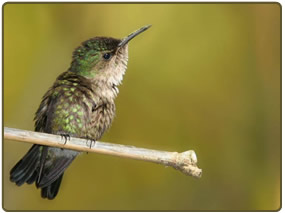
column 79, row 104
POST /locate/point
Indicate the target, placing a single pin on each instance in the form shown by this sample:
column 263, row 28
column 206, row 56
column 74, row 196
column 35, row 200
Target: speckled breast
column 101, row 119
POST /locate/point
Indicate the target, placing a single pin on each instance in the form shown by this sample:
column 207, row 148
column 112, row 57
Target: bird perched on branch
column 79, row 104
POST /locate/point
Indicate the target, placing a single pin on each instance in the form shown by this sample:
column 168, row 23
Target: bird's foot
column 90, row 142
column 66, row 137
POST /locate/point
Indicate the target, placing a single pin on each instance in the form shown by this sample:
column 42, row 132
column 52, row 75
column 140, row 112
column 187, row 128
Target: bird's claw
column 66, row 137
column 92, row 143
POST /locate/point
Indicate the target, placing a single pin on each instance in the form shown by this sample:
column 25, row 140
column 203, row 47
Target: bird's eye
column 107, row 56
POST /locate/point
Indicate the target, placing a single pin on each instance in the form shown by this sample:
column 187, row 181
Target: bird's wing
column 65, row 110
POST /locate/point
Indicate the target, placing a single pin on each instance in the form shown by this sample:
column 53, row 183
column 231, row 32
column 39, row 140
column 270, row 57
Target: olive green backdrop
column 203, row 77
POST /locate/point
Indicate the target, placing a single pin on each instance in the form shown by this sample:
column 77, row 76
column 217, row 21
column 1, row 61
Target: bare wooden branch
column 185, row 162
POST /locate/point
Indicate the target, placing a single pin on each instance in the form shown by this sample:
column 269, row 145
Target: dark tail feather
column 25, row 169
column 51, row 190
column 33, row 178
column 45, row 166
column 54, row 173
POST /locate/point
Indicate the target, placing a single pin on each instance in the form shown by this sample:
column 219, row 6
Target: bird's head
column 103, row 58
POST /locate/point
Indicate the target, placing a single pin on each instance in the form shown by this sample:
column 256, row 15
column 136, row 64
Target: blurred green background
column 204, row 77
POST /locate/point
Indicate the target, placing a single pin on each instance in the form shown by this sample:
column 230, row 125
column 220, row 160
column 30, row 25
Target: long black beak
column 132, row 35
